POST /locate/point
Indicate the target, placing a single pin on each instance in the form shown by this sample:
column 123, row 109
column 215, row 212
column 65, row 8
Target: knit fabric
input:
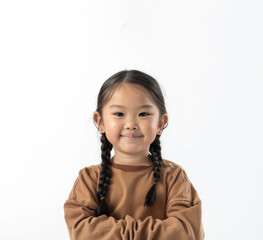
column 175, row 214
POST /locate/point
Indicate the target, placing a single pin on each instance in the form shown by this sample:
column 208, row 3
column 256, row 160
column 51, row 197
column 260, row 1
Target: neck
column 131, row 160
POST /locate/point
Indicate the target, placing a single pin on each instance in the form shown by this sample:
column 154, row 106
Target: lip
column 130, row 137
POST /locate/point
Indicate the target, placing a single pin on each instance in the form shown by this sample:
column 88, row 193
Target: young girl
column 136, row 194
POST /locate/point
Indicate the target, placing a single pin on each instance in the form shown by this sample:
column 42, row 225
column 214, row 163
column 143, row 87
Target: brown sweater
column 175, row 214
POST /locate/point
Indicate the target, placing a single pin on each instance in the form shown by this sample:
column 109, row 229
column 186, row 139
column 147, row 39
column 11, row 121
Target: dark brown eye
column 144, row 114
column 118, row 114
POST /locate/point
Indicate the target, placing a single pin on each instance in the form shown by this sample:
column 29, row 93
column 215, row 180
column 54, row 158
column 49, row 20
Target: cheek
column 151, row 127
column 112, row 125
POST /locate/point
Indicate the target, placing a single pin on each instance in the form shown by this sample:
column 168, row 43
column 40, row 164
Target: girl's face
column 131, row 120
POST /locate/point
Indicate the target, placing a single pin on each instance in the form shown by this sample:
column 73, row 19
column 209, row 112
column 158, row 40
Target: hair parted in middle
column 105, row 93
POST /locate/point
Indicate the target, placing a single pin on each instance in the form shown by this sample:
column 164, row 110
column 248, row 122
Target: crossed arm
column 183, row 222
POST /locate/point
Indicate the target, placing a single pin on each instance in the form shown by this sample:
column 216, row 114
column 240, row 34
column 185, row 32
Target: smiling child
column 135, row 194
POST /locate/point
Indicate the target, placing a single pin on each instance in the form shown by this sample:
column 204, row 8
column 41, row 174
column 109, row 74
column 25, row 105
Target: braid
column 105, row 175
column 155, row 150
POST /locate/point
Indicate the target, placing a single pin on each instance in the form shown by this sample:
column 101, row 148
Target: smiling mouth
column 130, row 137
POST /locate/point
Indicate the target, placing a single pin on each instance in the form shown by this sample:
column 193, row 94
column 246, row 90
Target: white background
column 55, row 55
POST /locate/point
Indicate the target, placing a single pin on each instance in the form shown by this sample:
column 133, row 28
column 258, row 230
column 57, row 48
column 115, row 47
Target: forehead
column 130, row 95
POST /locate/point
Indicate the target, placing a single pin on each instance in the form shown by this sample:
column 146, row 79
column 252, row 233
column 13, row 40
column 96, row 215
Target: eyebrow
column 120, row 106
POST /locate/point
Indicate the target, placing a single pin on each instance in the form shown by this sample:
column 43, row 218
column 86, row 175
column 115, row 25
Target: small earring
column 101, row 130
column 159, row 131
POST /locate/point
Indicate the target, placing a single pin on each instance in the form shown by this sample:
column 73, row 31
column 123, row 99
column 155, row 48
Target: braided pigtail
column 105, row 175
column 155, row 150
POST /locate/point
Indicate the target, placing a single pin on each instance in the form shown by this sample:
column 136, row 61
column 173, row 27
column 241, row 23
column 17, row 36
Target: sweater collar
column 130, row 168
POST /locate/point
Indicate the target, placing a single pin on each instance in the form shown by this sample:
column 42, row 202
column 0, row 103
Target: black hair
column 105, row 93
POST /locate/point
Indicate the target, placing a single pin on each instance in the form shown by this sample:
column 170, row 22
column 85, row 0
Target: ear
column 98, row 120
column 163, row 121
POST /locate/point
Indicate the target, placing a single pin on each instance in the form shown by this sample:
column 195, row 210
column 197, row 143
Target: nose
column 131, row 124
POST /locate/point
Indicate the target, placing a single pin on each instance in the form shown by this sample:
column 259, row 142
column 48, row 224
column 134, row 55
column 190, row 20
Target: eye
column 144, row 114
column 118, row 114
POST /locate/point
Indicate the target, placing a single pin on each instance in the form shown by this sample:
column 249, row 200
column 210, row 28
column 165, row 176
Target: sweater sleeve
column 183, row 212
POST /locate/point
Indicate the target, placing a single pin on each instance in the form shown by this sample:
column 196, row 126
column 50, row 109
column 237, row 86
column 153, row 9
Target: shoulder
column 85, row 186
column 177, row 180
column 171, row 167
column 173, row 170
column 92, row 173
column 86, row 180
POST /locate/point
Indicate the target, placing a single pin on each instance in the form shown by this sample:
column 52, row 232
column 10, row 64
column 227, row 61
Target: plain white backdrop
column 54, row 57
